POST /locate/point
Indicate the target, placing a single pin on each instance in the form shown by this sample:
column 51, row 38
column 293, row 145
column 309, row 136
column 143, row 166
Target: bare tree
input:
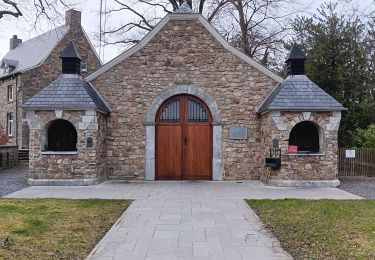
column 33, row 10
column 10, row 8
column 257, row 27
column 146, row 14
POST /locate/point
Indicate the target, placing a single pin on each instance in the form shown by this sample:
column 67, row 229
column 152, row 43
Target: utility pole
column 100, row 27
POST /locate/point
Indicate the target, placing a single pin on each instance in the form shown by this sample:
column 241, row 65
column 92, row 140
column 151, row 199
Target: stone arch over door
column 216, row 127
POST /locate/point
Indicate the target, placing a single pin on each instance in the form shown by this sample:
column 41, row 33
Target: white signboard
column 350, row 153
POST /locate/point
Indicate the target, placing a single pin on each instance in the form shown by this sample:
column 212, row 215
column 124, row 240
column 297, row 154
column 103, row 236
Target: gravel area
column 364, row 188
column 13, row 179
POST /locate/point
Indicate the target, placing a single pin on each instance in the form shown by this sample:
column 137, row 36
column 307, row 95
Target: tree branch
column 15, row 13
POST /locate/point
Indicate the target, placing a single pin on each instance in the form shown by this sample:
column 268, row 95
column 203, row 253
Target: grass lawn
column 321, row 229
column 54, row 228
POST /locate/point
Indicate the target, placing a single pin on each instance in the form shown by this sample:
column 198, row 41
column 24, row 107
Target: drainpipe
column 16, row 111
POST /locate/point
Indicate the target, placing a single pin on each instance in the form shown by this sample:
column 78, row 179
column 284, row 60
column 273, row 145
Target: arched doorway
column 183, row 139
column 305, row 135
column 61, row 136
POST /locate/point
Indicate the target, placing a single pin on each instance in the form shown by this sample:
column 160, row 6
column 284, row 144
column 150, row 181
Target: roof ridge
column 38, row 36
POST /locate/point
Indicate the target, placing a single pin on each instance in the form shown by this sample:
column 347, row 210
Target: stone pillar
column 217, row 173
column 150, row 152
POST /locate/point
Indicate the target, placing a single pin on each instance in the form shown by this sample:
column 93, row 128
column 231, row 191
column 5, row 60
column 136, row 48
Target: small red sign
column 292, row 149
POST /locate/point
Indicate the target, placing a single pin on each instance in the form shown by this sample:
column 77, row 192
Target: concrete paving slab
column 186, row 219
column 185, row 193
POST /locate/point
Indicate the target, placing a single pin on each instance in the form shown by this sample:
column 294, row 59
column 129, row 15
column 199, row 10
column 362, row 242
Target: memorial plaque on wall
column 238, row 133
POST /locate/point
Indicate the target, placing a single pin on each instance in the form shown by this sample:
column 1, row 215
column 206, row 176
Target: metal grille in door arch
column 196, row 112
column 171, row 112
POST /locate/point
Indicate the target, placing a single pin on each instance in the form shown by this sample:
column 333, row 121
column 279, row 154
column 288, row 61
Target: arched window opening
column 61, row 136
column 305, row 136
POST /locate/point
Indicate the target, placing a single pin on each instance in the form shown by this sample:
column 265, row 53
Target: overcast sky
column 90, row 22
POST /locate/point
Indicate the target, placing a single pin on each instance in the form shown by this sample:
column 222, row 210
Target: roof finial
column 184, row 8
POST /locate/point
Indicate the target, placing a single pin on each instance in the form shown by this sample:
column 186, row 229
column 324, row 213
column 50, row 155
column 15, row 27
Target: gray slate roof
column 32, row 53
column 298, row 92
column 296, row 53
column 70, row 51
column 68, row 91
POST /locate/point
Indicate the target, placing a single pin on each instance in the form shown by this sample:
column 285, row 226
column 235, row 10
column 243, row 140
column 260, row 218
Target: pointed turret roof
column 296, row 53
column 70, row 51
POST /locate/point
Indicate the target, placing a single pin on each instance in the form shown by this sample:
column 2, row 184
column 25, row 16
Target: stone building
column 31, row 65
column 184, row 104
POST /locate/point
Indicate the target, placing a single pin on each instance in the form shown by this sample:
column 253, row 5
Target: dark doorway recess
column 183, row 140
column 305, row 136
column 62, row 136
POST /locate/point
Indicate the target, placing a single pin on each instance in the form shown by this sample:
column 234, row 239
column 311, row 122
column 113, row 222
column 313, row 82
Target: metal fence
column 356, row 162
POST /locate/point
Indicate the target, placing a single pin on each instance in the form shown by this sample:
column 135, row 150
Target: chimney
column 13, row 42
column 73, row 17
column 296, row 61
column 71, row 61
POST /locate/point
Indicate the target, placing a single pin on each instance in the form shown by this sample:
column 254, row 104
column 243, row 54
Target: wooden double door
column 183, row 140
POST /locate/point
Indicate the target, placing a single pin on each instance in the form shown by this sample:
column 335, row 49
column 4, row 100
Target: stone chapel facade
column 183, row 104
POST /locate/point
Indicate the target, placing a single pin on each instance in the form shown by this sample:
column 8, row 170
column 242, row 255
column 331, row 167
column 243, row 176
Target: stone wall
column 32, row 81
column 8, row 156
column 310, row 167
column 183, row 51
column 85, row 164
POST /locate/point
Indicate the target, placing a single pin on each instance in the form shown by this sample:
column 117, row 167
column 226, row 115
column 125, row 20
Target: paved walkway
column 186, row 220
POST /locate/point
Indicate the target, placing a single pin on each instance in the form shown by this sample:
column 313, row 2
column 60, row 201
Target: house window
column 10, row 124
column 84, row 64
column 10, row 93
column 305, row 136
column 61, row 136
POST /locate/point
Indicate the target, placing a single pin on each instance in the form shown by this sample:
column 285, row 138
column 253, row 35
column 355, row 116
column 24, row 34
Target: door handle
column 186, row 141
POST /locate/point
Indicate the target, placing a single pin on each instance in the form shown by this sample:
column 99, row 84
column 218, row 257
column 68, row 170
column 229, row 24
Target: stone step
column 23, row 155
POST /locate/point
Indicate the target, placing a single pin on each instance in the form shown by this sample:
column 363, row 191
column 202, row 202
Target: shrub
column 364, row 137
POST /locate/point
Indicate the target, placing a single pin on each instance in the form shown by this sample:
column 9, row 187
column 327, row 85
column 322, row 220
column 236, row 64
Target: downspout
column 17, row 111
